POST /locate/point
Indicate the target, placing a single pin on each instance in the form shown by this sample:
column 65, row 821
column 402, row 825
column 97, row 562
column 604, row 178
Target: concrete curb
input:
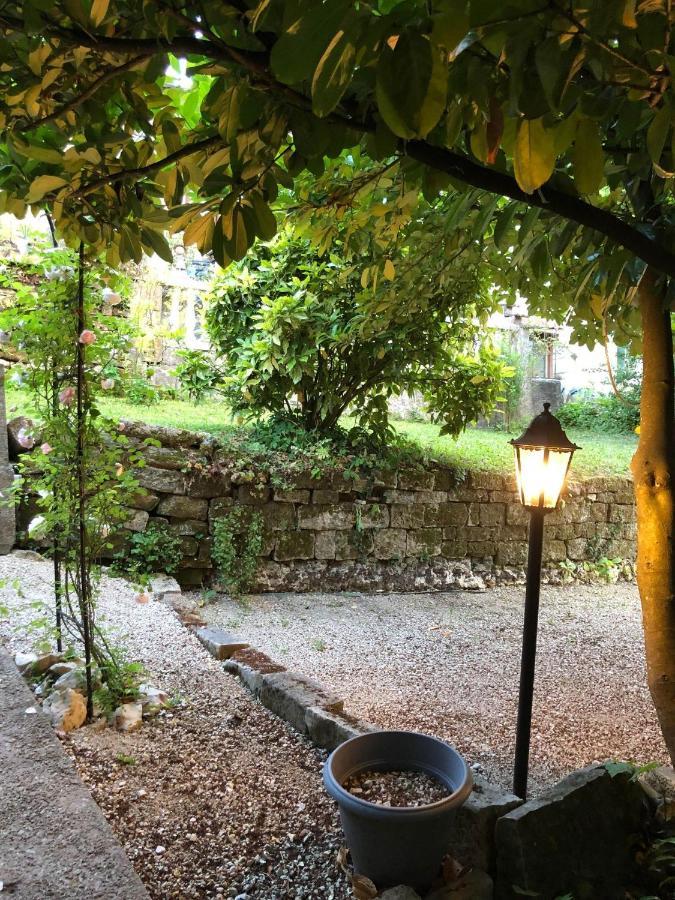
column 54, row 840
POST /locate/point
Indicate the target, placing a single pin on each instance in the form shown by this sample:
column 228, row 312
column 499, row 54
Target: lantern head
column 543, row 456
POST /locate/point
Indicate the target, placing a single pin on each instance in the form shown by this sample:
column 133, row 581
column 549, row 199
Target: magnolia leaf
column 195, row 231
column 449, row 29
column 534, row 154
column 412, row 83
column 628, row 18
column 99, row 8
column 389, row 271
column 658, row 132
column 266, row 221
column 503, row 225
column 494, row 131
column 363, row 888
column 478, row 142
column 157, row 243
column 307, row 31
column 43, row 185
column 333, row 73
column 589, row 158
column 228, row 123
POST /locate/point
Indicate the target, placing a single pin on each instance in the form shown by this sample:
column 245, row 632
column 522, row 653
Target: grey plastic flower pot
column 405, row 844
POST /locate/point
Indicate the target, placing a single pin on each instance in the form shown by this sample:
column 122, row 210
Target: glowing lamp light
column 543, row 456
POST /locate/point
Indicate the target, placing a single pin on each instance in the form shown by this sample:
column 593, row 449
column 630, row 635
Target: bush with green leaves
column 610, row 414
column 197, row 374
column 157, row 549
column 301, row 338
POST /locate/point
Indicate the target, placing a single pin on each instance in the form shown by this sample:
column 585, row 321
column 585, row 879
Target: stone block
column 487, row 480
column 190, row 577
column 137, row 521
column 291, row 496
column 162, row 481
column 289, row 696
column 577, row 549
column 165, row 589
column 188, row 527
column 253, row 494
column 183, row 508
column 220, row 506
column 400, row 497
column 325, row 497
column 492, row 514
column 390, row 543
column 294, row 545
column 329, row 730
column 371, row 515
column 513, row 533
column 454, row 549
column 407, row 515
column 445, row 479
column 207, row 485
column 516, row 514
column 144, row 500
column 416, row 480
column 431, row 497
column 577, row 837
column 599, row 512
column 329, row 517
column 165, row 457
column 220, row 644
column 446, row 514
column 554, row 551
column 279, row 516
column 424, row 542
column 622, row 512
column 324, row 544
column 473, row 836
column 481, row 549
column 353, row 544
column 512, row 553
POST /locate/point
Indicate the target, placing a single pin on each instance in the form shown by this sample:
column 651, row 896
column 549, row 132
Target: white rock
column 46, row 661
column 25, row 661
column 128, row 717
column 165, row 589
column 400, row 893
column 62, row 668
column 151, row 699
column 76, row 679
column 66, row 709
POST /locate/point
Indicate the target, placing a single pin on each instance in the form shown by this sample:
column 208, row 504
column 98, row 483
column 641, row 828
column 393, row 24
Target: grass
column 475, row 449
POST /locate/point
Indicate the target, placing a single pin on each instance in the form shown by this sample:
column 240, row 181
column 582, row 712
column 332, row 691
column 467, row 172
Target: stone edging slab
column 54, row 840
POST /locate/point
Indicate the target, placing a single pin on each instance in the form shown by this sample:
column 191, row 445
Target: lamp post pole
column 529, row 652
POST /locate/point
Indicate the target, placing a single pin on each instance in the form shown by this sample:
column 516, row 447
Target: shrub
column 197, row 374
column 606, row 414
column 302, row 338
column 157, row 549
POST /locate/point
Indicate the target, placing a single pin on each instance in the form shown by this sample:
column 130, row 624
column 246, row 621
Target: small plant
column 125, row 760
column 197, row 374
column 157, row 549
column 237, row 544
column 140, row 392
column 319, row 645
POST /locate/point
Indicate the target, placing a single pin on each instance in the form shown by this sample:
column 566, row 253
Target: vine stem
column 85, row 587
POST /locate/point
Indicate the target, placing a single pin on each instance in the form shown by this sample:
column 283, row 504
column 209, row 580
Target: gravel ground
column 216, row 798
column 448, row 664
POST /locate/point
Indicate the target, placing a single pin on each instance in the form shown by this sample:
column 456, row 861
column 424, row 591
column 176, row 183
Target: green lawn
column 478, row 450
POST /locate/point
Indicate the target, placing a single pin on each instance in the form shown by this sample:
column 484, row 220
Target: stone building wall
column 405, row 530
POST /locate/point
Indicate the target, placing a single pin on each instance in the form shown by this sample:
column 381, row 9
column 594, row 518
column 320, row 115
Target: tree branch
column 89, row 92
column 546, row 198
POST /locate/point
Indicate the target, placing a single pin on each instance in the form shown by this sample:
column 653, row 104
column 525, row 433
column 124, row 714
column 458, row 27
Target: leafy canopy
column 300, row 340
column 124, row 121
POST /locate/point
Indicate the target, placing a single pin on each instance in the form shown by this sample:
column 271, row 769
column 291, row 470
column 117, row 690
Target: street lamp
column 543, row 456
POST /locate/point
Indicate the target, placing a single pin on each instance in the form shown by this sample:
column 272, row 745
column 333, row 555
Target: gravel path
column 448, row 664
column 216, row 798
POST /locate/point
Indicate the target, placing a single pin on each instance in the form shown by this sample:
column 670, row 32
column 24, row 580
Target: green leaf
column 588, row 158
column 158, row 243
column 503, row 225
column 412, row 84
column 228, row 123
column 534, row 154
column 266, row 221
column 658, row 132
column 307, row 31
column 449, row 28
column 45, row 184
column 333, row 73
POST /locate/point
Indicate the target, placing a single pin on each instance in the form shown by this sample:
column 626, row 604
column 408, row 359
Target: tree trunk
column 652, row 468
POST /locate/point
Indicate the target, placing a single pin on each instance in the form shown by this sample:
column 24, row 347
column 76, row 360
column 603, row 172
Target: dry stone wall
column 407, row 530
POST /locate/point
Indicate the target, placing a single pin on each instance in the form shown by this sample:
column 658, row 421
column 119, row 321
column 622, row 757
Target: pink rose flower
column 87, row 337
column 67, row 396
column 46, row 448
column 108, row 384
column 24, row 439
